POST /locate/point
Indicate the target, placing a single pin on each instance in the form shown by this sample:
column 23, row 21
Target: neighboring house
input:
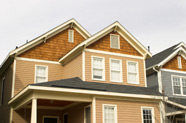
column 167, row 70
column 68, row 76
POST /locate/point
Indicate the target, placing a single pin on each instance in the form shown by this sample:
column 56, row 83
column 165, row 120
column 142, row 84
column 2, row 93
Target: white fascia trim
column 13, row 77
column 83, row 65
column 176, row 104
column 174, row 71
column 114, row 54
column 175, row 113
column 48, row 33
column 36, row 60
column 181, row 44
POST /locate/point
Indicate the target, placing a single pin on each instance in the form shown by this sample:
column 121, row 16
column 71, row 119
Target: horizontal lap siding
column 88, row 69
column 127, row 111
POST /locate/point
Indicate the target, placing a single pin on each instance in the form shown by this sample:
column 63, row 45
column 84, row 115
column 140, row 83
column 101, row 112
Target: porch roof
column 180, row 101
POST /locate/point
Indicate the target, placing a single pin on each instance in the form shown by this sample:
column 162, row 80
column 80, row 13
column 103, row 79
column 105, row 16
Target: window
column 98, row 67
column 71, row 36
column 179, row 85
column 116, row 70
column 65, row 118
column 41, row 74
column 87, row 115
column 2, row 90
column 114, row 41
column 133, row 72
column 109, row 114
column 147, row 115
column 179, row 62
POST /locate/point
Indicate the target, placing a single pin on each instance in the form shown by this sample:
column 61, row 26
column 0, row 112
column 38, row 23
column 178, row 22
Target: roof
column 77, row 83
column 181, row 101
column 159, row 57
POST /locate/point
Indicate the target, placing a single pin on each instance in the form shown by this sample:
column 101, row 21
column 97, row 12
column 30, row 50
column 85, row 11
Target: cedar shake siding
column 128, row 111
column 173, row 64
column 55, row 47
column 5, row 109
column 88, row 69
column 103, row 44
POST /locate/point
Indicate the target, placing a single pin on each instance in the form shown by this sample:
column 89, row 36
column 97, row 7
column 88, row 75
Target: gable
column 55, row 47
column 173, row 64
column 104, row 45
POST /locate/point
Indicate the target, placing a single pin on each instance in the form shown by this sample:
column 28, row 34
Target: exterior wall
column 127, row 111
column 167, row 83
column 73, row 68
column 88, row 69
column 55, row 47
column 5, row 109
column 25, row 73
column 104, row 45
column 173, row 64
column 152, row 80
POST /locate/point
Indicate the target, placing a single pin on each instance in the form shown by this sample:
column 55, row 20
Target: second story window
column 179, row 62
column 2, row 91
column 115, row 70
column 41, row 73
column 132, row 72
column 98, row 68
column 114, row 41
column 179, row 85
column 71, row 36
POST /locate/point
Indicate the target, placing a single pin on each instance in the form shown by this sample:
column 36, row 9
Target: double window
column 132, row 72
column 109, row 113
column 115, row 70
column 179, row 85
column 147, row 115
column 41, row 73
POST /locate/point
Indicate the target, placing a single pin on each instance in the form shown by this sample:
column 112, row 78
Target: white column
column 94, row 109
column 34, row 111
column 185, row 117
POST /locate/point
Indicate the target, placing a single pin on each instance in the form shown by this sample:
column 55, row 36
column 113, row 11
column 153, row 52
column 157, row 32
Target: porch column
column 34, row 111
column 185, row 117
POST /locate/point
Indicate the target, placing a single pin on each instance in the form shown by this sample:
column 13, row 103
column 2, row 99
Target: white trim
column 181, row 85
column 11, row 115
column 162, row 111
column 83, row 65
column 36, row 72
column 94, row 109
column 179, row 62
column 180, row 45
column 137, row 67
column 64, row 118
column 115, row 112
column 174, row 71
column 85, row 112
column 114, row 54
column 121, row 71
column 118, row 36
column 145, row 75
column 160, row 81
column 57, row 117
column 13, row 77
column 72, row 31
column 36, row 60
column 175, row 113
column 34, row 111
column 103, row 76
column 176, row 104
column 152, row 111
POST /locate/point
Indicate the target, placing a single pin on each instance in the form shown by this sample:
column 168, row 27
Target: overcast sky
column 155, row 23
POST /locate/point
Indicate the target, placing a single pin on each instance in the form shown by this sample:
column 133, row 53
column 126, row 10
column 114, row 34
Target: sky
column 155, row 23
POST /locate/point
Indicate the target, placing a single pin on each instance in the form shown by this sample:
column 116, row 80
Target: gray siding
column 167, row 83
column 152, row 80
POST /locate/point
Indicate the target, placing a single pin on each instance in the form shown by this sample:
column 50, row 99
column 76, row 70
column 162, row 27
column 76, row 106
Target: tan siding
column 104, row 45
column 127, row 111
column 55, row 47
column 73, row 68
column 5, row 109
column 88, row 69
column 25, row 73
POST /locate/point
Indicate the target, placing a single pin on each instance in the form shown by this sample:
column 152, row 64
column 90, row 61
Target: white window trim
column 179, row 62
column 2, row 91
column 118, row 41
column 137, row 82
column 85, row 113
column 103, row 79
column 63, row 116
column 36, row 72
column 181, row 86
column 57, row 117
column 121, row 71
column 72, row 36
column 115, row 111
column 152, row 110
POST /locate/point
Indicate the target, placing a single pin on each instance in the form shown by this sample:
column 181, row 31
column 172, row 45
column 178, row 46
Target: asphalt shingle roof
column 181, row 101
column 77, row 83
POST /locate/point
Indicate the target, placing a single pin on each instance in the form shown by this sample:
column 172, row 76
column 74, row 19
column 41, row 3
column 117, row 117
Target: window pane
column 115, row 65
column 132, row 68
column 177, row 90
column 41, row 71
column 97, row 73
column 147, row 116
column 132, row 78
column 98, row 68
column 98, row 63
column 115, row 75
column 40, row 79
column 87, row 115
column 109, row 114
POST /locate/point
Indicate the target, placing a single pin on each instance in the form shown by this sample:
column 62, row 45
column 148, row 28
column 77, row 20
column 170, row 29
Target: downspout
column 158, row 70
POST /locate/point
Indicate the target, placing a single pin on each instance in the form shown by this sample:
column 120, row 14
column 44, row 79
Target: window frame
column 2, row 91
column 115, row 111
column 92, row 68
column 118, row 41
column 181, row 85
column 179, row 62
column 89, row 106
column 121, row 71
column 137, row 74
column 152, row 112
column 36, row 72
column 72, row 36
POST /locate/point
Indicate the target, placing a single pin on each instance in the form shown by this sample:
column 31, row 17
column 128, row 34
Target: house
column 167, row 70
column 69, row 76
